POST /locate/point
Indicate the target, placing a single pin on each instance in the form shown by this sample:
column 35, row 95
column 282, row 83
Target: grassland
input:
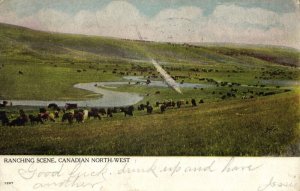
column 266, row 126
column 52, row 63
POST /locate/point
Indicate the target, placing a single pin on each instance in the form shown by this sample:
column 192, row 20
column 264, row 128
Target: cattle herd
column 71, row 113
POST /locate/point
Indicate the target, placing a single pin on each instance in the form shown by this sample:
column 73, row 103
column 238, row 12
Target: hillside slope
column 20, row 42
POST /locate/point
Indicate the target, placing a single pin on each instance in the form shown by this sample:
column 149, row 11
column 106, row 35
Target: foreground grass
column 259, row 127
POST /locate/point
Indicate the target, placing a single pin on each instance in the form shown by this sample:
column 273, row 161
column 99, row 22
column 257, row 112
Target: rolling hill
column 22, row 42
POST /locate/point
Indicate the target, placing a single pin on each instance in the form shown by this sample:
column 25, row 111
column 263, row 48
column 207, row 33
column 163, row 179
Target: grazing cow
column 148, row 81
column 35, row 119
column 194, row 102
column 180, row 103
column 94, row 113
column 169, row 103
column 20, row 72
column 163, row 108
column 18, row 122
column 45, row 116
column 53, row 106
column 4, row 104
column 51, row 117
column 21, row 120
column 141, row 107
column 4, row 118
column 269, row 93
column 23, row 116
column 157, row 103
column 85, row 114
column 68, row 116
column 109, row 112
column 102, row 111
column 69, row 106
column 79, row 116
column 43, row 110
column 128, row 110
column 149, row 109
column 56, row 114
column 173, row 103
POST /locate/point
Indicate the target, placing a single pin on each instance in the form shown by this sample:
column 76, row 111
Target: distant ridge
column 49, row 45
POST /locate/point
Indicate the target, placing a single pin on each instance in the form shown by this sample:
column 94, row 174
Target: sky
column 274, row 22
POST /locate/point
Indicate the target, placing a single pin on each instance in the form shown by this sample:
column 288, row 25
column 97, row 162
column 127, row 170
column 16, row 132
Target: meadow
column 251, row 107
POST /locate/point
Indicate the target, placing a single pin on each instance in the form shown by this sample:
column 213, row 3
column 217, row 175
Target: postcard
column 149, row 95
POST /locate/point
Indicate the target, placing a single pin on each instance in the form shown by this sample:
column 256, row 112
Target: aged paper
column 149, row 95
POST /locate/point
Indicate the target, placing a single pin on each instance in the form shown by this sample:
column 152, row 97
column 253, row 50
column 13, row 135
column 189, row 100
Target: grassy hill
column 19, row 41
column 54, row 61
column 238, row 117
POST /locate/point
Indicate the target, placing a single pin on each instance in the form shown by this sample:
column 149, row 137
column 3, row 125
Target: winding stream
column 109, row 98
column 114, row 98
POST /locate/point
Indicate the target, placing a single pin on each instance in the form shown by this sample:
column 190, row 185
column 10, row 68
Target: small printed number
column 8, row 183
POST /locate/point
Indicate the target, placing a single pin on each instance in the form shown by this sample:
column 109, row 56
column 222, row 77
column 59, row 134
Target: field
column 251, row 104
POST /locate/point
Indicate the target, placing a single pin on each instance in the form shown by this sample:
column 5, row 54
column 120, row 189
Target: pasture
column 266, row 126
column 251, row 102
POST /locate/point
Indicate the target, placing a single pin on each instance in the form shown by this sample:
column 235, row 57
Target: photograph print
column 150, row 78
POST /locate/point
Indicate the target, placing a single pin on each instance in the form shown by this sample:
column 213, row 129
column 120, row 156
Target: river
column 110, row 98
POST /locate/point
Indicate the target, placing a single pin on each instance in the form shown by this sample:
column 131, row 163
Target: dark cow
column 43, row 110
column 149, row 109
column 94, row 113
column 68, row 116
column 148, row 81
column 4, row 104
column 79, row 116
column 163, row 108
column 109, row 112
column 194, row 102
column 46, row 116
column 141, row 107
column 56, row 114
column 53, row 106
column 180, row 103
column 102, row 111
column 21, row 120
column 4, row 118
column 128, row 110
column 35, row 119
column 169, row 103
column 69, row 106
column 18, row 122
column 157, row 103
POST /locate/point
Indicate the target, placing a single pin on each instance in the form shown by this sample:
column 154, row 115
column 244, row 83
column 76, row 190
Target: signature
column 273, row 183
